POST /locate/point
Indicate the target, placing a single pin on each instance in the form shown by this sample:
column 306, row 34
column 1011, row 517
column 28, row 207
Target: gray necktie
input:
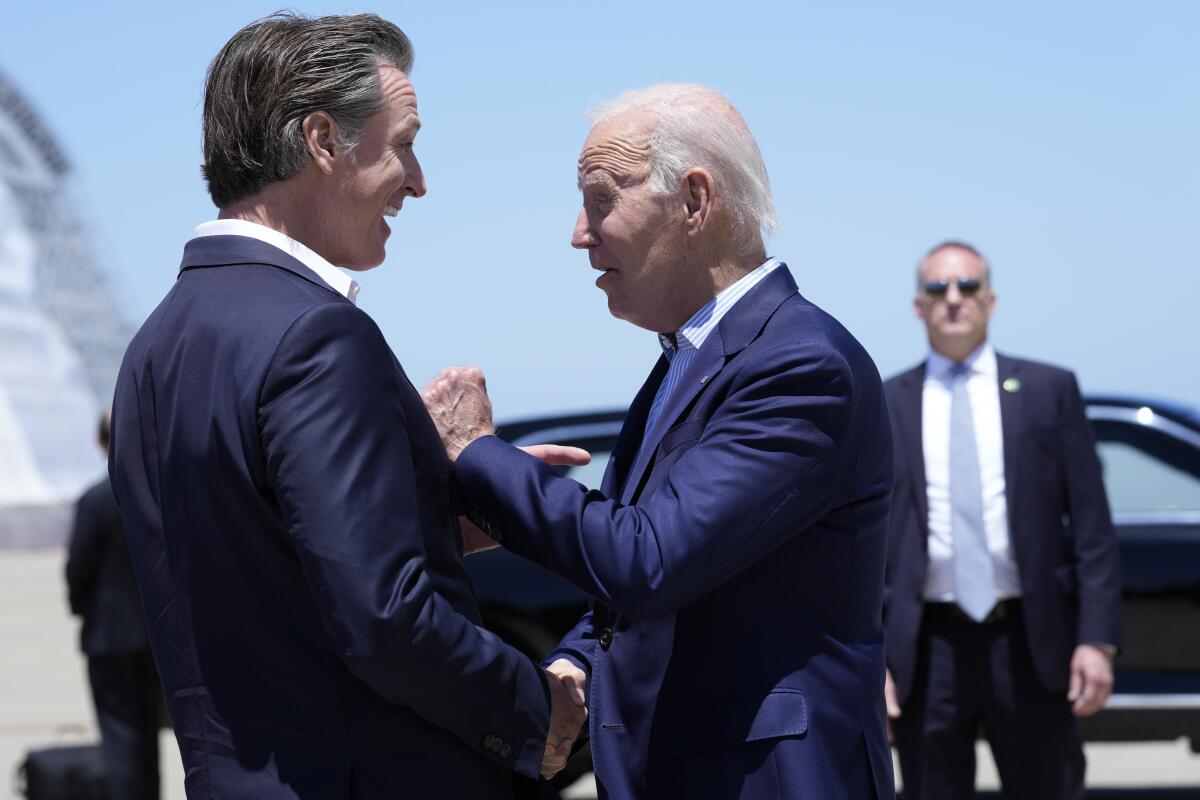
column 974, row 584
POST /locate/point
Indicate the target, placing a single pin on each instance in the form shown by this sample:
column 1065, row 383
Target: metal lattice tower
column 61, row 333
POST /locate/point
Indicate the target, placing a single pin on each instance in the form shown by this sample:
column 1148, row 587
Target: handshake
column 568, row 713
column 458, row 403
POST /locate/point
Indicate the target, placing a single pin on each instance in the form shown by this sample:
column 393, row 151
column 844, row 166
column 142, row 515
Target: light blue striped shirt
column 680, row 347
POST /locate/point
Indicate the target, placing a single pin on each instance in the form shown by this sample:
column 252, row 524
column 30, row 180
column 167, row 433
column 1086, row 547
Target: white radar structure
column 61, row 335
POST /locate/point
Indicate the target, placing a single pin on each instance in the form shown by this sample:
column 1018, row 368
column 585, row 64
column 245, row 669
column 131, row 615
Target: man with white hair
column 735, row 550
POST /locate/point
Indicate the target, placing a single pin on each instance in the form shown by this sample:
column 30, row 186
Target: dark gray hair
column 695, row 126
column 275, row 72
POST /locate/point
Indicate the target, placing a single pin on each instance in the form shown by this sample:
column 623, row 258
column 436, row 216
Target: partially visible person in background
column 125, row 687
column 1003, row 600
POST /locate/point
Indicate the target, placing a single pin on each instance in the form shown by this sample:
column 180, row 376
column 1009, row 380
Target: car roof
column 1176, row 412
column 519, row 429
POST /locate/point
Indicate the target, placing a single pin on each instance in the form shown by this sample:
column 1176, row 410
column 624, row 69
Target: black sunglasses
column 967, row 287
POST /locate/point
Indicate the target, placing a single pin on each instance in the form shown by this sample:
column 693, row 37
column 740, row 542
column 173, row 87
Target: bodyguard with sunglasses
column 1002, row 603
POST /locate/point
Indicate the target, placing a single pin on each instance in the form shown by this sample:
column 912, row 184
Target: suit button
column 606, row 636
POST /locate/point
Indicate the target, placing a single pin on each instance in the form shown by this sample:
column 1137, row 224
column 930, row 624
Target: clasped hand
column 568, row 713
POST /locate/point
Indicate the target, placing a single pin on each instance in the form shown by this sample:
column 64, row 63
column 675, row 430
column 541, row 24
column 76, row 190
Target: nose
column 582, row 237
column 414, row 185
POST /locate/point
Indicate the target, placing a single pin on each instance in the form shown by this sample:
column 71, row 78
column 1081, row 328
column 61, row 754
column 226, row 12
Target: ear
column 319, row 129
column 698, row 188
column 918, row 308
column 991, row 303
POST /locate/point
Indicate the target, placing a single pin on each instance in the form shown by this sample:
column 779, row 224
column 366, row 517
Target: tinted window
column 591, row 475
column 1139, row 482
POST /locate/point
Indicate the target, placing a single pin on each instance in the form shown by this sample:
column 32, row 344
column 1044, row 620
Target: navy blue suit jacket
column 1058, row 517
column 286, row 499
column 737, row 562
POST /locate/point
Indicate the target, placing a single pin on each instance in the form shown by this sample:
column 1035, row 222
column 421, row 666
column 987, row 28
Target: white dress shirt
column 984, row 390
column 333, row 277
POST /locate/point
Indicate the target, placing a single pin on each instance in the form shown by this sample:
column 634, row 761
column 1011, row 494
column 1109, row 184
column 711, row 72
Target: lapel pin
column 704, row 380
column 1011, row 385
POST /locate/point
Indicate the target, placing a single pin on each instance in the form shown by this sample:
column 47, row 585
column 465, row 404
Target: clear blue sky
column 1059, row 138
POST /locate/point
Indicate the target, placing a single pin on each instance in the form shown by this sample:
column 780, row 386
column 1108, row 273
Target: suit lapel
column 1010, row 423
column 626, row 447
column 704, row 366
column 740, row 325
column 909, row 413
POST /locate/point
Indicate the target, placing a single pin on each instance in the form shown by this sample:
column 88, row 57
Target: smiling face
column 371, row 182
column 636, row 238
column 956, row 322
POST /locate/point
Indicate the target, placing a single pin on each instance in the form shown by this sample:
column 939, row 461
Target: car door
column 1151, row 465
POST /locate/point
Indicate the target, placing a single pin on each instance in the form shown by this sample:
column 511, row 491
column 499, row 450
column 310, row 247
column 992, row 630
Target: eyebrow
column 411, row 125
column 596, row 178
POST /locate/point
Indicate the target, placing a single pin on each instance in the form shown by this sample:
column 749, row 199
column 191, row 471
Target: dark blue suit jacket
column 286, row 499
column 100, row 583
column 1058, row 517
column 737, row 562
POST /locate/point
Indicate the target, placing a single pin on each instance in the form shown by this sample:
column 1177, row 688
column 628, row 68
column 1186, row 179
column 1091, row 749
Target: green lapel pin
column 1011, row 385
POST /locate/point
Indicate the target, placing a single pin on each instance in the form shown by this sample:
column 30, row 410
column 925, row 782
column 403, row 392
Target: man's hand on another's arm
column 1091, row 680
column 568, row 713
column 457, row 401
column 559, row 455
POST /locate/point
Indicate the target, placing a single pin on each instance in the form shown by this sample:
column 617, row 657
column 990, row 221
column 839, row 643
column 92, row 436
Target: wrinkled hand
column 457, row 400
column 568, row 712
column 889, row 701
column 474, row 540
column 1091, row 680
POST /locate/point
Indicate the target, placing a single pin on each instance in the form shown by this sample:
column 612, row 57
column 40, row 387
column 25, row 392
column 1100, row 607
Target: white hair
column 694, row 126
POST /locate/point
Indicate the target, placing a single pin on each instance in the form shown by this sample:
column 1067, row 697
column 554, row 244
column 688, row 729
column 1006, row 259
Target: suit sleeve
column 332, row 420
column 84, row 554
column 576, row 646
column 765, row 467
column 1095, row 542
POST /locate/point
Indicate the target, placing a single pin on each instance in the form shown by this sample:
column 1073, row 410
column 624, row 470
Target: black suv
column 1151, row 456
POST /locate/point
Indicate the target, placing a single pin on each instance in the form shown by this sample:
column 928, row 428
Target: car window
column 591, row 475
column 1139, row 482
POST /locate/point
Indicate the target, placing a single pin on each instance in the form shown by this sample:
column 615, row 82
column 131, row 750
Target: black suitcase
column 62, row 773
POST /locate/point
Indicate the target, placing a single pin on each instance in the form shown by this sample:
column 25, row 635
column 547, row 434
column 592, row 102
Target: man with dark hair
column 125, row 689
column 1003, row 596
column 286, row 495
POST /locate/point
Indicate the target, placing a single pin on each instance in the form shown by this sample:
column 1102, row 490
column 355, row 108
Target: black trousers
column 127, row 695
column 972, row 675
